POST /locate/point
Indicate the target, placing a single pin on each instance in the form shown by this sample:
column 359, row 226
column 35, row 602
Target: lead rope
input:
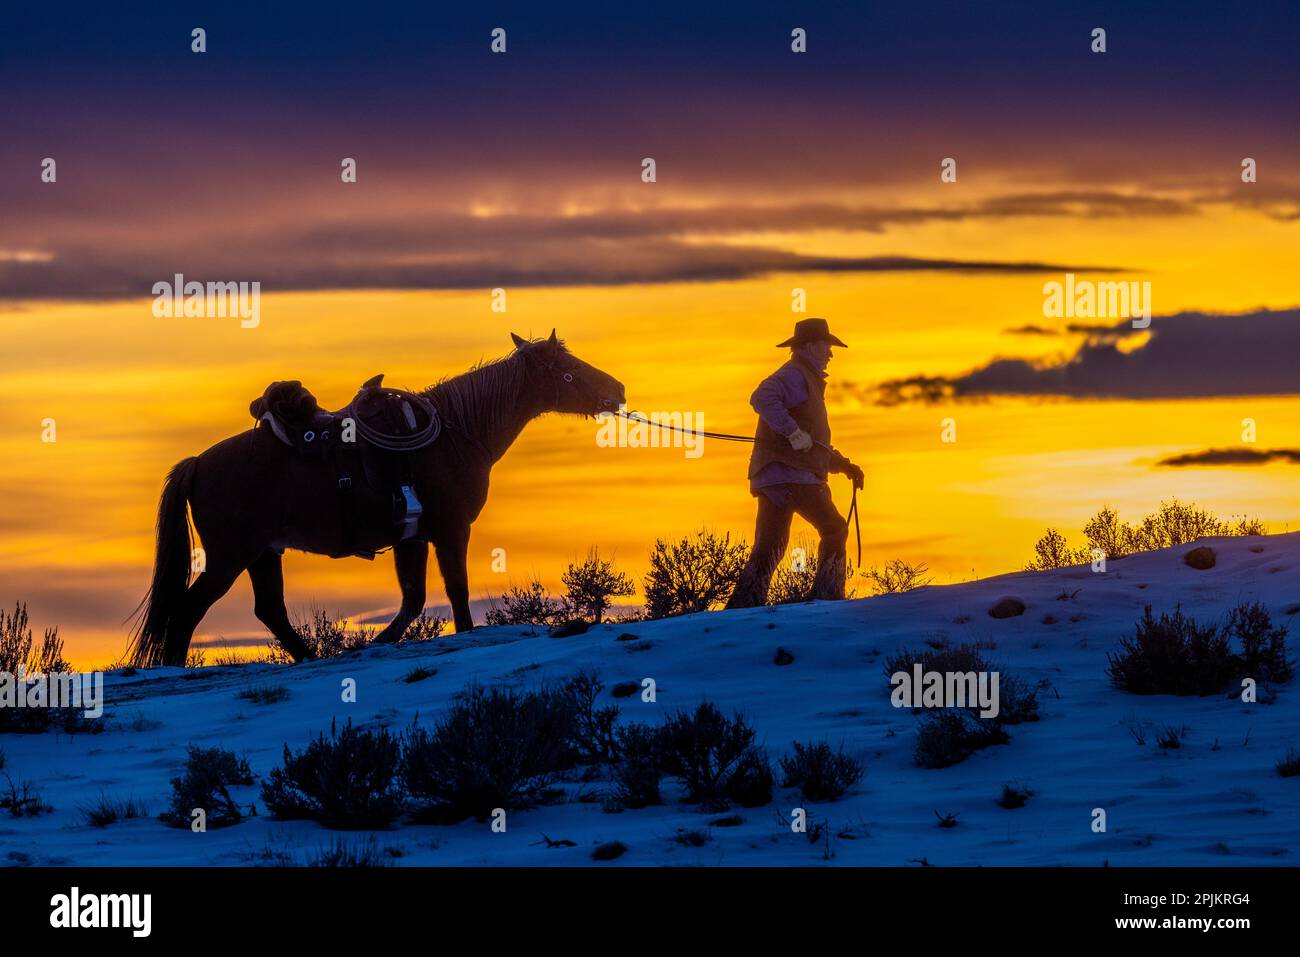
column 853, row 506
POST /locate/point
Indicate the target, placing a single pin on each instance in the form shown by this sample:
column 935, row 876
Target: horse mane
column 483, row 401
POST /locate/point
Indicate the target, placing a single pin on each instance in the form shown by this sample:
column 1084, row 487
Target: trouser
column 772, row 533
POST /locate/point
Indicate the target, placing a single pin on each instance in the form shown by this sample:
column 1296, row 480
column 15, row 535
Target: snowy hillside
column 1217, row 800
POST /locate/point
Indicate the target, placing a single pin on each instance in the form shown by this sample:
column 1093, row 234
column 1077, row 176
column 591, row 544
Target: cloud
column 1189, row 355
column 515, row 252
column 1237, row 456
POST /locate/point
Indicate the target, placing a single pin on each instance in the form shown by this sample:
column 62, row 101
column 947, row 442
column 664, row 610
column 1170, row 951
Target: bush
column 1051, row 551
column 1175, row 523
column 705, row 750
column 750, row 784
column 693, row 574
column 1174, row 655
column 327, row 636
column 106, row 811
column 425, row 628
column 347, row 781
column 638, row 768
column 593, row 732
column 23, row 799
column 593, row 584
column 18, row 648
column 951, row 735
column 1263, row 647
column 264, row 694
column 19, row 651
column 1289, row 766
column 530, row 605
column 819, row 773
column 792, row 584
column 1014, row 796
column 346, row 854
column 897, row 576
column 497, row 748
column 209, row 775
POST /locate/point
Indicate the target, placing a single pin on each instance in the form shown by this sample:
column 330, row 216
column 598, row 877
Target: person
column 789, row 466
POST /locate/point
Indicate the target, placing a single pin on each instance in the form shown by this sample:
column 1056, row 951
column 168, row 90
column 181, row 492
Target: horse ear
column 553, row 341
column 519, row 341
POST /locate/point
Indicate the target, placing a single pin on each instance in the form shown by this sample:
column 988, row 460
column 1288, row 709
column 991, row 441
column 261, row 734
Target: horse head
column 563, row 382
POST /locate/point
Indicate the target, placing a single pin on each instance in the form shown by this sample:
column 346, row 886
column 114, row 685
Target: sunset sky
column 775, row 171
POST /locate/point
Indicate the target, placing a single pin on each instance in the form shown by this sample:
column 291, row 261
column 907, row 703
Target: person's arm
column 774, row 398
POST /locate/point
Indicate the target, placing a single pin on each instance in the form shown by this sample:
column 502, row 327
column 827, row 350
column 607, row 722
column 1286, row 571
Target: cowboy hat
column 811, row 330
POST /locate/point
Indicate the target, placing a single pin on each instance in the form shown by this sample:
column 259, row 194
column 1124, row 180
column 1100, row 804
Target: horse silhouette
column 251, row 496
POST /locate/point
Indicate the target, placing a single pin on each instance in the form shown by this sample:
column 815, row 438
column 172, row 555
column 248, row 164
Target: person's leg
column 813, row 503
column 771, row 533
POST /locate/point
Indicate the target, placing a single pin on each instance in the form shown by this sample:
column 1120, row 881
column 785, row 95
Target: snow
column 1216, row 801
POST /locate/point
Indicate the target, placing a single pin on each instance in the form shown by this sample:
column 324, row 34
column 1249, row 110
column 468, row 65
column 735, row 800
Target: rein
column 853, row 506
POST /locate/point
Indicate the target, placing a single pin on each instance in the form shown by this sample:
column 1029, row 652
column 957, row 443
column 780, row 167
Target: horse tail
column 171, row 568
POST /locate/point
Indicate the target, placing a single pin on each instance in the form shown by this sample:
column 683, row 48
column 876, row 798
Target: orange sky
column 131, row 394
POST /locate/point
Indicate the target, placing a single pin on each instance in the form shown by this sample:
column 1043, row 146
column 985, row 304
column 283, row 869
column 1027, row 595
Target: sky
column 775, row 171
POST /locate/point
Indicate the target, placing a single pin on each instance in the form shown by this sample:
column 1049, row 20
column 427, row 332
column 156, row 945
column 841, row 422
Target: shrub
column 497, row 748
column 593, row 584
column 264, row 694
column 1171, row 738
column 328, row 636
column 639, row 766
column 951, row 735
column 793, row 583
column 347, row 781
column 1175, row 523
column 819, row 773
column 1051, row 551
column 209, row 775
column 530, row 604
column 704, row 750
column 1175, row 655
column 1263, row 647
column 23, row 799
column 750, row 783
column 1014, row 796
column 348, row 854
column 425, row 628
column 106, row 811
column 692, row 574
column 419, row 673
column 19, row 651
column 18, row 648
column 897, row 576
column 1289, row 766
column 593, row 731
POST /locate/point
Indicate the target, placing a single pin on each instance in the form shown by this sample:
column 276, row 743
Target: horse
column 251, row 496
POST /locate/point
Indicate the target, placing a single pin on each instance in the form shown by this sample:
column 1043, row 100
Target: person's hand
column 855, row 472
column 800, row 440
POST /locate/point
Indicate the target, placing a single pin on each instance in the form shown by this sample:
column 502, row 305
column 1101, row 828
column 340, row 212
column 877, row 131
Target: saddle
column 373, row 437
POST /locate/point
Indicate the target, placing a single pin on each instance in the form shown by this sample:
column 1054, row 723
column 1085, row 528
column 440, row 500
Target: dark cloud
column 1190, row 355
column 556, row 254
column 1237, row 456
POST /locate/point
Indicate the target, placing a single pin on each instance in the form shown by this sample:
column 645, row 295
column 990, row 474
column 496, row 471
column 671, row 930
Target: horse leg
column 452, row 550
column 202, row 594
column 411, row 559
column 267, row 576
